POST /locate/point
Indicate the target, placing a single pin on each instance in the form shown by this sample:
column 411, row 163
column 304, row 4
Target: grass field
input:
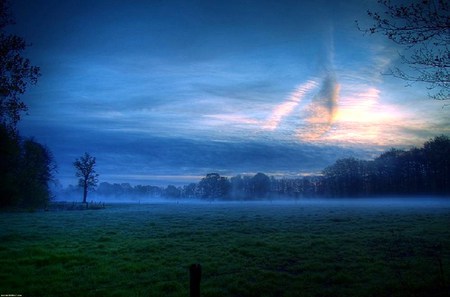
column 246, row 249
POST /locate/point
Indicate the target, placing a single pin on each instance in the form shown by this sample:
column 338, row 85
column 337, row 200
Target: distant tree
column 347, row 178
column 422, row 28
column 85, row 171
column 16, row 72
column 214, row 186
column 172, row 192
column 189, row 191
column 437, row 164
column 260, row 185
column 389, row 168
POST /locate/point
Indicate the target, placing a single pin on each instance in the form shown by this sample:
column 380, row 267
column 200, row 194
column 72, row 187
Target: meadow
column 245, row 249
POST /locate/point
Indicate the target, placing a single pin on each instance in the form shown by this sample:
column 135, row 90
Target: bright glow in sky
column 167, row 91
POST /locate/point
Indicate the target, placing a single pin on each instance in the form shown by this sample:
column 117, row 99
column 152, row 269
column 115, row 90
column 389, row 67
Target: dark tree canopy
column 85, row 171
column 36, row 173
column 422, row 28
column 26, row 166
column 214, row 186
column 26, row 169
column 395, row 172
column 16, row 71
column 260, row 185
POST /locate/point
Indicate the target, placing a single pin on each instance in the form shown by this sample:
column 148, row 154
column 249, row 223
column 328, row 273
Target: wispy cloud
column 230, row 119
column 321, row 111
column 289, row 105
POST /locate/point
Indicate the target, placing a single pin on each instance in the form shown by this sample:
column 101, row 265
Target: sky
column 164, row 92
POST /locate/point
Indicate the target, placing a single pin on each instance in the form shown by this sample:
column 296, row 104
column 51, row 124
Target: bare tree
column 85, row 171
column 422, row 28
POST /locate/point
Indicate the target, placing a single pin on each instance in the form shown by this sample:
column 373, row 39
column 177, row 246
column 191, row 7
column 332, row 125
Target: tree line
column 417, row 171
column 423, row 171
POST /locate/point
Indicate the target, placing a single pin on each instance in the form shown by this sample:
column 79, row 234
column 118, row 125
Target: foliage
column 16, row 72
column 26, row 169
column 26, row 166
column 35, row 174
column 416, row 171
column 422, row 29
column 259, row 185
column 85, row 171
column 213, row 186
column 172, row 192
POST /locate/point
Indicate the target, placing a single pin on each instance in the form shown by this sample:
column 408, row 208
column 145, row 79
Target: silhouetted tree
column 10, row 151
column 259, row 186
column 189, row 191
column 437, row 164
column 422, row 28
column 172, row 192
column 347, row 178
column 85, row 171
column 36, row 169
column 214, row 186
column 389, row 169
column 26, row 169
column 416, row 171
column 16, row 72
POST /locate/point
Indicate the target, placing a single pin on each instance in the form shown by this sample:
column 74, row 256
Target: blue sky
column 166, row 91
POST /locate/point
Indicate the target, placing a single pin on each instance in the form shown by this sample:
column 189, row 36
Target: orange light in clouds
column 362, row 118
column 360, row 107
column 321, row 114
column 344, row 114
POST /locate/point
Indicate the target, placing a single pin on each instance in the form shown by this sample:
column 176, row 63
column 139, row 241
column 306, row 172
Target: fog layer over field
column 395, row 201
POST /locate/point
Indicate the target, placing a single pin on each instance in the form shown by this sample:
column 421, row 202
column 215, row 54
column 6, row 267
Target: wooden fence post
column 195, row 272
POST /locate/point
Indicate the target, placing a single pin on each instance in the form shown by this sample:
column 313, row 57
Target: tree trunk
column 85, row 189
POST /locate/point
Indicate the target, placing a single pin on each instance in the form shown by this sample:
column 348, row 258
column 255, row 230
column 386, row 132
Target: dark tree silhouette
column 214, row 186
column 416, row 171
column 36, row 172
column 172, row 192
column 16, row 72
column 10, row 151
column 26, row 169
column 437, row 164
column 347, row 177
column 422, row 29
column 25, row 166
column 85, row 171
column 260, row 185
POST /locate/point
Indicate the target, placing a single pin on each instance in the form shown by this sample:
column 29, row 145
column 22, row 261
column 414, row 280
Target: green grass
column 245, row 250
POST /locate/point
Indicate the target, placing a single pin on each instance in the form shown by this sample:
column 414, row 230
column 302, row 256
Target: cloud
column 321, row 111
column 285, row 108
column 230, row 119
column 214, row 86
